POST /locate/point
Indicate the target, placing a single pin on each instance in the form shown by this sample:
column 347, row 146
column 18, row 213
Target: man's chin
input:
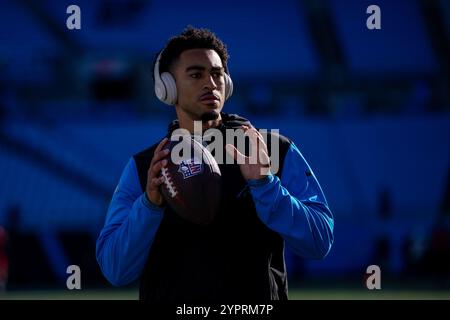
column 210, row 115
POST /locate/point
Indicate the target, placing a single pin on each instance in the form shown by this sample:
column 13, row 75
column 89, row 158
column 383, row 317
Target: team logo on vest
column 190, row 168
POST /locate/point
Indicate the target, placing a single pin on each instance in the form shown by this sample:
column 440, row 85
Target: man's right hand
column 154, row 179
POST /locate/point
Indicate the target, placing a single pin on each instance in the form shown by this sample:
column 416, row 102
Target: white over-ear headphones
column 166, row 89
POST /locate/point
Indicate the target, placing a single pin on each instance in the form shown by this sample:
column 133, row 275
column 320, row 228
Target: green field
column 295, row 294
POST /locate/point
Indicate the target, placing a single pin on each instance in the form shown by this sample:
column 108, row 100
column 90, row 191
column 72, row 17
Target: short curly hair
column 192, row 38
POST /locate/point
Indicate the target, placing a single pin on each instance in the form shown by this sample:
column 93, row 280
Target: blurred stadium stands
column 370, row 111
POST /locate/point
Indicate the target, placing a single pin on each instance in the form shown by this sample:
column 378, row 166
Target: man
column 240, row 256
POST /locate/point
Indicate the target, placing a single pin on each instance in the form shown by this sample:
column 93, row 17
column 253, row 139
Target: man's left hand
column 257, row 165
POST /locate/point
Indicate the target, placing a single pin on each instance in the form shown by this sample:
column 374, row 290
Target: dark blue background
column 369, row 109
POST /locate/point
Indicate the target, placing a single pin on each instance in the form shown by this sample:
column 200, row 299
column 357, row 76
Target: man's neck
column 188, row 123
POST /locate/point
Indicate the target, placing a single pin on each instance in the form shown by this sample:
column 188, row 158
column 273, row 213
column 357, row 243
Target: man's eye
column 195, row 75
column 217, row 74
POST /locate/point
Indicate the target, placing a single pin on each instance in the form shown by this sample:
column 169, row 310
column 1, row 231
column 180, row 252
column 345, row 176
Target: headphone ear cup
column 160, row 89
column 228, row 86
column 170, row 88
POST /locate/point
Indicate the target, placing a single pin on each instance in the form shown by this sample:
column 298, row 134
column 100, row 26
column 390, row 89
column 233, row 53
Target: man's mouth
column 209, row 98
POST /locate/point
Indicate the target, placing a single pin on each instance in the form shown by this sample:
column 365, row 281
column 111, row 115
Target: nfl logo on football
column 190, row 167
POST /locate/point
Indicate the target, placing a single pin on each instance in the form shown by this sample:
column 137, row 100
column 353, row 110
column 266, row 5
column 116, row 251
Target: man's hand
column 154, row 180
column 257, row 166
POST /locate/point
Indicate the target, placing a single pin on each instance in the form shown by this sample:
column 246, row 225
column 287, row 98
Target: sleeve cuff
column 253, row 183
column 146, row 201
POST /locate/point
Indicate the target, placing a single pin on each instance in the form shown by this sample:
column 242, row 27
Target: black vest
column 236, row 258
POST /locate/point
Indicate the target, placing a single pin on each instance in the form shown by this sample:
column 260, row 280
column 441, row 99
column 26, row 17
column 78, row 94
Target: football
column 192, row 181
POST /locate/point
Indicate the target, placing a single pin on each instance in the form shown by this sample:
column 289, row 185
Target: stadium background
column 370, row 110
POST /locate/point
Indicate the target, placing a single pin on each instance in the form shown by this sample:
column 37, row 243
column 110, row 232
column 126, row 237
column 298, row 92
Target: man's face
column 199, row 76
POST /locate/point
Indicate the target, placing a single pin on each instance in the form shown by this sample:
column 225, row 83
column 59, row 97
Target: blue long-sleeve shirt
column 295, row 207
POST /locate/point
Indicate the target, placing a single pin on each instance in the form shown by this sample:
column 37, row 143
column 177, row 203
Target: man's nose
column 210, row 83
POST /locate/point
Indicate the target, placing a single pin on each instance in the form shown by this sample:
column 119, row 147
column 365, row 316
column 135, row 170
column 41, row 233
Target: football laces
column 169, row 183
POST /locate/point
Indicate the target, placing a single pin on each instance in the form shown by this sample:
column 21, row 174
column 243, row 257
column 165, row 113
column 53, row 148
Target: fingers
column 161, row 144
column 253, row 146
column 233, row 152
column 156, row 168
column 154, row 178
column 258, row 147
column 156, row 182
column 254, row 133
column 157, row 164
column 159, row 154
